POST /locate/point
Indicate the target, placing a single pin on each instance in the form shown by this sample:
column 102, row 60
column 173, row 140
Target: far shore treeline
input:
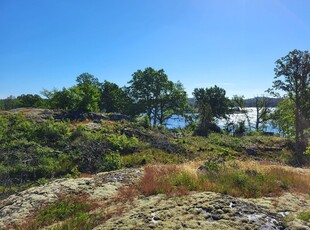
column 151, row 94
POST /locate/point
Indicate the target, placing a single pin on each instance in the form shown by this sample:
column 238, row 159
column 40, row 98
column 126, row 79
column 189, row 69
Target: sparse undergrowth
column 69, row 212
column 237, row 179
column 79, row 211
column 305, row 216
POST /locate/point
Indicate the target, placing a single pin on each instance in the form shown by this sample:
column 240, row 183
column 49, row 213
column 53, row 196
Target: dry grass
column 125, row 194
column 153, row 181
column 242, row 179
column 87, row 175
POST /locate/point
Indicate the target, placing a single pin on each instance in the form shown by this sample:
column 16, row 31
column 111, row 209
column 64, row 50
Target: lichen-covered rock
column 17, row 207
column 196, row 211
column 204, row 210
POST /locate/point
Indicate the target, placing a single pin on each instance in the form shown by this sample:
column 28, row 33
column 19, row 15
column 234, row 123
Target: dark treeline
column 272, row 102
column 249, row 102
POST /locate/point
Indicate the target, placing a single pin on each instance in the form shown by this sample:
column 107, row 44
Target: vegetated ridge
column 160, row 178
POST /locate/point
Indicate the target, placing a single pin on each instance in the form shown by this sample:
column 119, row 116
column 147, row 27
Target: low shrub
column 72, row 211
column 121, row 143
column 111, row 162
column 150, row 156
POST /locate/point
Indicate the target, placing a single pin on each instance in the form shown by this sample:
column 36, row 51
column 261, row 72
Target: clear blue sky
column 230, row 43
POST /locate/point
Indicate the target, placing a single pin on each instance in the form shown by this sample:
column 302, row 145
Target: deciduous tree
column 156, row 96
column 113, row 98
column 292, row 76
column 211, row 103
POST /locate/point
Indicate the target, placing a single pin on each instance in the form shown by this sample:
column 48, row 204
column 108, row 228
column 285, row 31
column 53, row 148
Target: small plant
column 82, row 221
column 144, row 121
column 42, row 181
column 305, row 216
column 211, row 166
column 111, row 162
column 122, row 143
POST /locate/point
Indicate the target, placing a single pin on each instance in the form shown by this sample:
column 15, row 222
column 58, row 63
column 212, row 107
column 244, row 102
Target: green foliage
column 149, row 156
column 156, row 96
column 72, row 212
column 51, row 133
column 30, row 150
column 66, row 99
column 10, row 102
column 283, row 117
column 121, row 143
column 114, row 99
column 42, row 181
column 292, row 76
column 83, row 97
column 305, row 216
column 187, row 180
column 58, row 211
column 30, row 100
column 211, row 103
column 211, row 166
column 81, row 221
column 240, row 129
column 111, row 162
column 307, row 150
column 144, row 121
column 14, row 127
column 263, row 111
column 88, row 91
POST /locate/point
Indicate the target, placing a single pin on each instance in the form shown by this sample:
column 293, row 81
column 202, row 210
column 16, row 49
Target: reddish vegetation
column 125, row 194
column 156, row 180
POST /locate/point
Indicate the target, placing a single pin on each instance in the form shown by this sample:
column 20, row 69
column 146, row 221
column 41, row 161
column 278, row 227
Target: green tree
column 174, row 102
column 30, row 100
column 283, row 117
column 292, row 76
column 83, row 97
column 87, row 93
column 10, row 102
column 211, row 103
column 113, row 98
column 65, row 99
column 238, row 101
column 263, row 111
column 156, row 96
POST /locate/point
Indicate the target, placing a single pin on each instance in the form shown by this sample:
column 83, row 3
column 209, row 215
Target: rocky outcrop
column 197, row 211
column 57, row 114
column 203, row 210
column 17, row 207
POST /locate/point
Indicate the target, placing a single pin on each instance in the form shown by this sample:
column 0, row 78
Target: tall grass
column 237, row 179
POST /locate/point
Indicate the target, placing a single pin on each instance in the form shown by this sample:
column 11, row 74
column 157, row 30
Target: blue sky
column 230, row 43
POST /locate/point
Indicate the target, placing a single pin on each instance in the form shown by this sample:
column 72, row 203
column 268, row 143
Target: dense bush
column 31, row 150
